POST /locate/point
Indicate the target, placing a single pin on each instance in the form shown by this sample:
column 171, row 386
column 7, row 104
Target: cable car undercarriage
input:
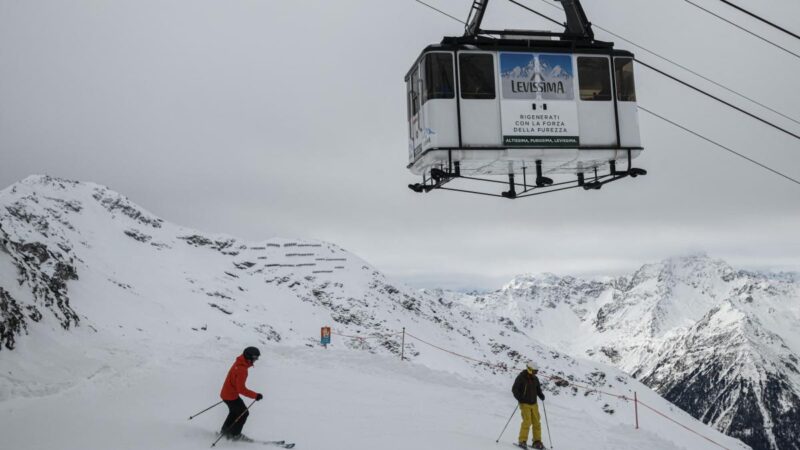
column 439, row 177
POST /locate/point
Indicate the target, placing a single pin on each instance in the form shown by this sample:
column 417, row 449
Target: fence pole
column 403, row 345
column 636, row 408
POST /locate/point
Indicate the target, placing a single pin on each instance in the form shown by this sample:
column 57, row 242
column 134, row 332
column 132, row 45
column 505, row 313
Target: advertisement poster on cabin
column 538, row 100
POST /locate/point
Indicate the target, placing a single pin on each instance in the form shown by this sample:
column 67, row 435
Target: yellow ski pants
column 530, row 418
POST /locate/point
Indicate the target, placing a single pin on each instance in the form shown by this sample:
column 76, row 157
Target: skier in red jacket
column 235, row 386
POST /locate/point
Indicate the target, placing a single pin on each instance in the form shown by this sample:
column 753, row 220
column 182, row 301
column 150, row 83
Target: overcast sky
column 262, row 118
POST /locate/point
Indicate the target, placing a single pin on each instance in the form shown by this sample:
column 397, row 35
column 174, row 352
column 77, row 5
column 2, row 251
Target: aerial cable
column 719, row 145
column 441, row 12
column 760, row 18
column 730, row 105
column 687, row 69
column 742, row 28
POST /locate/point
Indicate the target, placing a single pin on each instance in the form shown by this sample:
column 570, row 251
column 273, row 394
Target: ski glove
column 259, row 397
column 541, row 396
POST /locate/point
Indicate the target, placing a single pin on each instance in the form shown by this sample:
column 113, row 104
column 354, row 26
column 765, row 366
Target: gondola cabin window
column 409, row 97
column 438, row 69
column 476, row 72
column 414, row 100
column 626, row 92
column 594, row 78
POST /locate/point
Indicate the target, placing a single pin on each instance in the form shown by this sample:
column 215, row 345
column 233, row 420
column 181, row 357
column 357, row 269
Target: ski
column 282, row 444
column 249, row 440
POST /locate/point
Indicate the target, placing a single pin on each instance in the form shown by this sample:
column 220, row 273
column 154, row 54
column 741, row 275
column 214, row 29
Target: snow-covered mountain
column 116, row 325
column 557, row 72
column 720, row 343
column 527, row 72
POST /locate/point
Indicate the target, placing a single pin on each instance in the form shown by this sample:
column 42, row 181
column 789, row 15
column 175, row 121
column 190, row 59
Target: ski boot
column 522, row 444
column 538, row 444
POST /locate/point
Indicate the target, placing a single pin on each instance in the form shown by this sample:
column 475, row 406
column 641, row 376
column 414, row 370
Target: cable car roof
column 459, row 43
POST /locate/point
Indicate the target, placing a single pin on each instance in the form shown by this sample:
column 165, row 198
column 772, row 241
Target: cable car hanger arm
column 473, row 26
column 577, row 22
column 577, row 26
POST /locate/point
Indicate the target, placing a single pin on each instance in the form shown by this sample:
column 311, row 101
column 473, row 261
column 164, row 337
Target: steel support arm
column 577, row 22
column 475, row 18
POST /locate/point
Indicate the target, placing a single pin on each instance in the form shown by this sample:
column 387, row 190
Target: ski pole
column 509, row 421
column 549, row 436
column 201, row 412
column 233, row 423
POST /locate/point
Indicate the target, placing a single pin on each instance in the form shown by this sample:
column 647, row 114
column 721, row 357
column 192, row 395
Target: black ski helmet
column 251, row 354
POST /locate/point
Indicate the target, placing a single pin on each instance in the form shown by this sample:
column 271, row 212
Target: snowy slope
column 722, row 344
column 117, row 325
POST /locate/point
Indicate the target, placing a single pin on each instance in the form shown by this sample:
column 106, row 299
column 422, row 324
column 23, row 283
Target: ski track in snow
column 320, row 399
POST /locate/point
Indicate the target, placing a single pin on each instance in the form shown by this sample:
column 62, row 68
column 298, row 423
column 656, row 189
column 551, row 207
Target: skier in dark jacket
column 526, row 390
column 233, row 387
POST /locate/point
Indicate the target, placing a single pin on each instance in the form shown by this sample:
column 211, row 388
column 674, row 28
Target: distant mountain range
column 722, row 344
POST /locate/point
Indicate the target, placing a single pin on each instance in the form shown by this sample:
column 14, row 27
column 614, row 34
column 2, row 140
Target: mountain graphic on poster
column 556, row 72
column 519, row 66
column 536, row 76
column 527, row 72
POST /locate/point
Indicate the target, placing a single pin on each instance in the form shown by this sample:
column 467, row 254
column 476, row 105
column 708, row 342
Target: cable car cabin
column 522, row 106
